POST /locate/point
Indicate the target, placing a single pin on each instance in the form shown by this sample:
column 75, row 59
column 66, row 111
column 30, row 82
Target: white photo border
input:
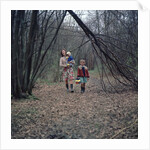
column 143, row 66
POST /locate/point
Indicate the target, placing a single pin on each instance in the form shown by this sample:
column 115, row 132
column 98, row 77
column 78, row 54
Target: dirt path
column 92, row 115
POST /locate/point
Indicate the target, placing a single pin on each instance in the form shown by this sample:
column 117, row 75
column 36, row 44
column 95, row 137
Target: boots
column 82, row 88
column 71, row 86
column 67, row 87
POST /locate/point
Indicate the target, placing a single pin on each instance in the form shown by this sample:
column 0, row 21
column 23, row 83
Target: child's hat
column 68, row 53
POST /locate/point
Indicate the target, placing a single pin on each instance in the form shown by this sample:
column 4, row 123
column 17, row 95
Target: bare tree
column 30, row 30
column 107, row 39
column 108, row 57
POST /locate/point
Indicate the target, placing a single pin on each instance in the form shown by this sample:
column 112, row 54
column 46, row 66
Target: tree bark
column 29, row 51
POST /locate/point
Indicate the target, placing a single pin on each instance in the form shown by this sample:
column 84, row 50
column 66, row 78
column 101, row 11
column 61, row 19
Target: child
column 83, row 74
column 70, row 60
column 69, row 74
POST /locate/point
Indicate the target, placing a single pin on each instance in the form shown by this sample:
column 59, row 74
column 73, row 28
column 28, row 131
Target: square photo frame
column 143, row 77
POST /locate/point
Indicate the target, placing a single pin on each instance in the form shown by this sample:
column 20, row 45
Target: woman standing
column 67, row 74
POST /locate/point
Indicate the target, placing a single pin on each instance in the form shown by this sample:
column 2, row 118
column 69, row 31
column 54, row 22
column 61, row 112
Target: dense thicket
column 32, row 39
column 117, row 59
column 106, row 39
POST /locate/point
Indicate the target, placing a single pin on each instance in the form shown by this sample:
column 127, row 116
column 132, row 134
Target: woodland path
column 61, row 115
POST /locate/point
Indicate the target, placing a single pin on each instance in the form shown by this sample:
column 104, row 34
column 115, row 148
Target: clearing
column 57, row 114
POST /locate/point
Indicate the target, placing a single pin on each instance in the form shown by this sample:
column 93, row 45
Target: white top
column 62, row 62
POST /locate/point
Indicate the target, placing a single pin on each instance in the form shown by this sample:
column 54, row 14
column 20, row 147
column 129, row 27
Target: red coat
column 80, row 72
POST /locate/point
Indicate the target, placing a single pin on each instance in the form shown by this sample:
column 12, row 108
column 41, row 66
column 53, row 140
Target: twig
column 124, row 129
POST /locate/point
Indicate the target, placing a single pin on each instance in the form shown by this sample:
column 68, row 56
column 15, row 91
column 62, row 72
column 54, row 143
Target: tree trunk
column 17, row 92
column 30, row 50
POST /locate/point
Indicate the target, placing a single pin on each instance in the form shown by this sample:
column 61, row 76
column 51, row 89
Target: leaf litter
column 57, row 114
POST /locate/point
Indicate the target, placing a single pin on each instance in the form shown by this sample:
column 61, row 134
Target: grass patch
column 94, row 73
column 33, row 97
column 47, row 81
column 28, row 98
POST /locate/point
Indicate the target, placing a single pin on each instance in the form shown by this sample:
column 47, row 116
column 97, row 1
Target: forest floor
column 52, row 113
